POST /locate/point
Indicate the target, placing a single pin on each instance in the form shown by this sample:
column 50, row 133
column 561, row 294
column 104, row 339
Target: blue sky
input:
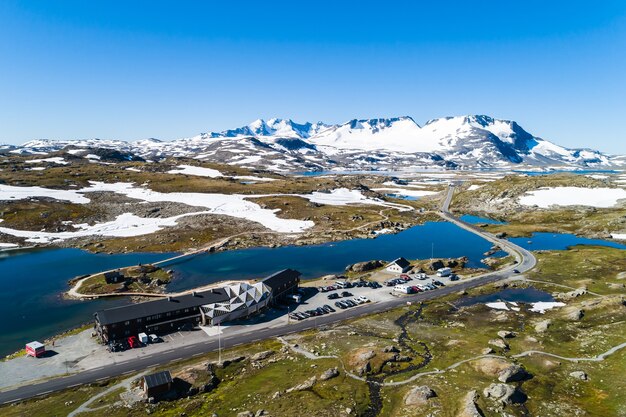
column 137, row 69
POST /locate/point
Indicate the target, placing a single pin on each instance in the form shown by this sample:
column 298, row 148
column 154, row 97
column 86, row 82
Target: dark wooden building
column 157, row 385
column 160, row 316
column 168, row 313
column 113, row 277
column 283, row 283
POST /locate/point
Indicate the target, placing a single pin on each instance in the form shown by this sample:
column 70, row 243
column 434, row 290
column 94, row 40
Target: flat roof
column 35, row 345
column 281, row 277
column 160, row 306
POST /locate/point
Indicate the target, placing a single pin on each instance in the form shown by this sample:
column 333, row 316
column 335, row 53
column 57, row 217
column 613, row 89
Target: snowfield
column 619, row 236
column 129, row 225
column 573, row 196
column 55, row 160
column 406, row 192
column 194, row 170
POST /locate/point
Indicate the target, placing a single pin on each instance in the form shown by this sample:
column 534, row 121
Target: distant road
column 525, row 262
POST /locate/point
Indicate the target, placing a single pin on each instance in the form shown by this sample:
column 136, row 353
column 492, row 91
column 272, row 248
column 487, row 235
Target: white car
column 363, row 299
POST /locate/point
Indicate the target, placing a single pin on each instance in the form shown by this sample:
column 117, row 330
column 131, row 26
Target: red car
column 416, row 289
column 133, row 342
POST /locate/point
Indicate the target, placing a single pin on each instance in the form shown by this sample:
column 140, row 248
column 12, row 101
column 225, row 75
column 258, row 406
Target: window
column 168, row 314
column 139, row 320
column 186, row 310
column 126, row 323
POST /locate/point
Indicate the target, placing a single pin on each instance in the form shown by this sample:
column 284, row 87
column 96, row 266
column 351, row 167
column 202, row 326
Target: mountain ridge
column 467, row 141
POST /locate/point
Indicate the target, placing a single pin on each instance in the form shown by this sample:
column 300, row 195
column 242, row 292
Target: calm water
column 561, row 171
column 313, row 261
column 402, row 197
column 556, row 241
column 31, row 282
column 517, row 295
column 478, row 220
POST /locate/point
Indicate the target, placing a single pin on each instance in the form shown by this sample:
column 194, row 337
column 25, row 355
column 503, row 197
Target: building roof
column 401, row 262
column 280, row 278
column 158, row 379
column 35, row 345
column 160, row 306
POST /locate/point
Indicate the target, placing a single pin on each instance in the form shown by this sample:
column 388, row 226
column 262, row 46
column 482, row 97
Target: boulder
column 572, row 313
column 419, row 395
column 260, row 413
column 506, row 334
column 391, row 349
column 491, row 366
column 261, row 355
column 308, row 384
column 469, row 408
column 504, row 394
column 487, row 351
column 542, row 326
column 329, row 374
column 245, row 414
column 364, row 369
column 364, row 356
column 499, row 343
column 579, row 375
column 513, row 373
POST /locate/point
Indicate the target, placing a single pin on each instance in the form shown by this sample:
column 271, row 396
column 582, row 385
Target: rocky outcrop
column 329, row 374
column 572, row 313
column 419, row 395
column 506, row 334
column 308, row 384
column 504, row 394
column 261, row 355
column 365, row 266
column 542, row 326
column 499, row 343
column 571, row 294
column 579, row 375
column 391, row 349
column 513, row 373
column 469, row 408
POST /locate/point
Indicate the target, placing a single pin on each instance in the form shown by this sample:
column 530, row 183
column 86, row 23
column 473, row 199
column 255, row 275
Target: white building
column 244, row 299
column 398, row 266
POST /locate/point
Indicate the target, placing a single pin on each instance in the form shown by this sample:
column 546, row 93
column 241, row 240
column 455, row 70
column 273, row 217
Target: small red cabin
column 35, row 349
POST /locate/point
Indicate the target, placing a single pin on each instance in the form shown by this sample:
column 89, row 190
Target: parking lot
column 323, row 300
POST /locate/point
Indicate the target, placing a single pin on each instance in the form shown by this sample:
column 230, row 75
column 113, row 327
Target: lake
column 479, row 220
column 516, row 295
column 560, row 241
column 32, row 280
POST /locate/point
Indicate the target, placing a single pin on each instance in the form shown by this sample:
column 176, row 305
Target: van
column 296, row 297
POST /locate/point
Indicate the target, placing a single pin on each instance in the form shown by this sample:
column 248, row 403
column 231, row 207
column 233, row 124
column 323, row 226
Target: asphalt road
column 526, row 261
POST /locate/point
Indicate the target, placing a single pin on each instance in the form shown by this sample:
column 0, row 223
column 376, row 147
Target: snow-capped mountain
column 474, row 141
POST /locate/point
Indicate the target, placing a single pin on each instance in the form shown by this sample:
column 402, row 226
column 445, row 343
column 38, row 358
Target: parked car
column 154, row 338
column 340, row 305
column 516, row 271
column 364, row 299
column 346, row 294
column 439, row 283
column 333, row 296
column 295, row 316
column 350, row 303
column 454, row 277
column 329, row 308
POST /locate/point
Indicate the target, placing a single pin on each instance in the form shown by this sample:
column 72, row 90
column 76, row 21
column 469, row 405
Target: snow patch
column 543, row 306
column 54, row 160
column 194, row 170
column 573, row 196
